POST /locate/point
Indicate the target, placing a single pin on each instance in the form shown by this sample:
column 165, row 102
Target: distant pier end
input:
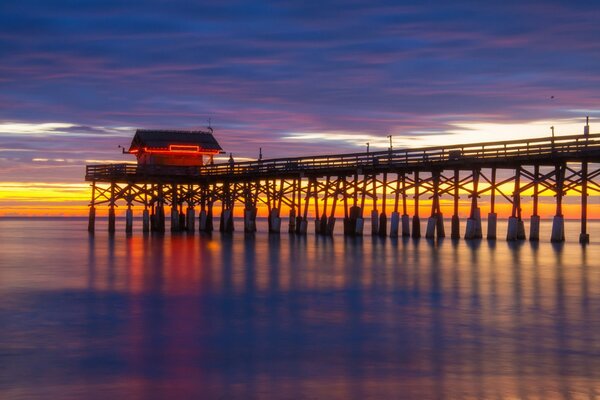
column 175, row 169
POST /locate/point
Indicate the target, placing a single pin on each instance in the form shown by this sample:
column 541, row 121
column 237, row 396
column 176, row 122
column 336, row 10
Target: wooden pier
column 390, row 182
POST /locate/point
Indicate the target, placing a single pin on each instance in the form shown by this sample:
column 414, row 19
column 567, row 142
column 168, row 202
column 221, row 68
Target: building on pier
column 175, row 148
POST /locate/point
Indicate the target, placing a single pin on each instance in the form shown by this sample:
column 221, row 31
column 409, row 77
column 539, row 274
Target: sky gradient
column 296, row 78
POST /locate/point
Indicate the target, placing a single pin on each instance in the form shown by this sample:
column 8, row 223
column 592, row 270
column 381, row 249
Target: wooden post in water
column 534, row 222
column 383, row 217
column 346, row 211
column 516, row 230
column 303, row 227
column 432, row 220
column 492, row 216
column 292, row 214
column 322, row 224
column 145, row 213
column 440, row 229
column 160, row 210
column 473, row 229
column 360, row 222
column 395, row 218
column 455, row 228
column 129, row 213
column 92, row 212
column 316, row 203
column 558, row 222
column 299, row 205
column 190, row 212
column 416, row 223
column 331, row 221
column 405, row 216
column 584, row 237
column 111, row 210
column 174, row 212
column 374, row 212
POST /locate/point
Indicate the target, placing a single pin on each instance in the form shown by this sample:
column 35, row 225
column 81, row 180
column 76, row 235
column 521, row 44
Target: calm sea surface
column 284, row 317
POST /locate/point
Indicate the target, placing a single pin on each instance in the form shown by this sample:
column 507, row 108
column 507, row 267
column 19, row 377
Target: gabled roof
column 161, row 139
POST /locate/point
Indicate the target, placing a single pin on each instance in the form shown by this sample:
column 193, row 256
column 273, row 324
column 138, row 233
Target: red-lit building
column 168, row 147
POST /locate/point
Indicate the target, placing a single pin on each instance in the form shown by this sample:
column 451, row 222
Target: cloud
column 79, row 77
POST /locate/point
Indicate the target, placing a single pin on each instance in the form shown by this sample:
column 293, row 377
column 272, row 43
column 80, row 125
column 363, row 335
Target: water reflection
column 234, row 316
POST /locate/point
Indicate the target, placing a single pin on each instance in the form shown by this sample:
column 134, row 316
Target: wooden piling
column 111, row 210
column 558, row 222
column 382, row 231
column 92, row 211
column 534, row 222
column 416, row 223
column 492, row 216
column 584, row 237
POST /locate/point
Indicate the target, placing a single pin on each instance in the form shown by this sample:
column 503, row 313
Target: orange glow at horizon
column 69, row 199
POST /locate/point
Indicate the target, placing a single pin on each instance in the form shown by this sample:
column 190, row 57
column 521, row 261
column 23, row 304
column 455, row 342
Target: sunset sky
column 295, row 78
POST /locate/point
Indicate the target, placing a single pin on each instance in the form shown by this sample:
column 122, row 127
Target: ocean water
column 284, row 317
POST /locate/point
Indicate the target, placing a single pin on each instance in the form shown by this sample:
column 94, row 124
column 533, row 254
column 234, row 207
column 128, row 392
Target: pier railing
column 543, row 149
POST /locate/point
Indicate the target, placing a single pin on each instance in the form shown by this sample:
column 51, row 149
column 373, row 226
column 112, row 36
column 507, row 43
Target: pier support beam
column 160, row 218
column 395, row 217
column 405, row 225
column 534, row 228
column 513, row 229
column 374, row 223
column 435, row 223
column 111, row 209
column 492, row 221
column 394, row 224
column 492, row 224
column 153, row 221
column 416, row 222
column 292, row 221
column 558, row 229
column 250, row 219
column 516, row 228
column 584, row 237
column 274, row 221
column 92, row 212
column 190, row 216
column 405, row 217
column 226, row 221
column 330, row 225
column 202, row 221
column 145, row 221
column 174, row 212
column 455, row 227
column 129, row 219
column 356, row 223
column 534, row 222
column 111, row 220
column 182, row 219
column 416, row 227
column 174, row 219
column 431, row 225
column 303, row 226
column 92, row 219
column 473, row 229
column 205, row 219
column 558, row 222
column 382, row 225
